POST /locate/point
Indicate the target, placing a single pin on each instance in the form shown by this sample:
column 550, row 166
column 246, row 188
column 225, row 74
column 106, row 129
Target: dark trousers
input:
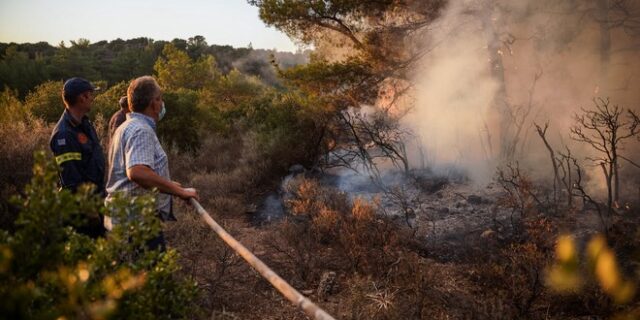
column 93, row 227
column 157, row 243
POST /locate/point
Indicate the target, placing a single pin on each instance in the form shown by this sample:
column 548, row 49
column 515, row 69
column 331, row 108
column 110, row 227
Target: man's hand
column 188, row 193
column 147, row 178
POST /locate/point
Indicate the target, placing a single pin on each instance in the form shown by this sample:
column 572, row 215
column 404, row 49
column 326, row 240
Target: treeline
column 24, row 66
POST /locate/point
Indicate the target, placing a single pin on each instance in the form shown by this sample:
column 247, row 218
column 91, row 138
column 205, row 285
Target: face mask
column 163, row 111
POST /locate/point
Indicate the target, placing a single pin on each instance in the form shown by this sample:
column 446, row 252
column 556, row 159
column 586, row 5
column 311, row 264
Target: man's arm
column 139, row 155
column 147, row 178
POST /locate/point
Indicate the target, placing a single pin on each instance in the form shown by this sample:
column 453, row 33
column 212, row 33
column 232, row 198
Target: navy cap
column 76, row 86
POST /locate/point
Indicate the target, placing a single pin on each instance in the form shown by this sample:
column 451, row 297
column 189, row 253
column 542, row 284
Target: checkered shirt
column 135, row 143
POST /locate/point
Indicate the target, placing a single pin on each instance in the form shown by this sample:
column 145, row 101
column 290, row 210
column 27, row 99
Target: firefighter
column 77, row 149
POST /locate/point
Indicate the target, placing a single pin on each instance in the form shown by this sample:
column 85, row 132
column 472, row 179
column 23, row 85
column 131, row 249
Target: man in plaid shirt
column 137, row 162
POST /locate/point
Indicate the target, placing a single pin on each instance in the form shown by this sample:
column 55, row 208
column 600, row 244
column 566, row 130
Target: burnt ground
column 463, row 215
column 448, row 214
column 452, row 218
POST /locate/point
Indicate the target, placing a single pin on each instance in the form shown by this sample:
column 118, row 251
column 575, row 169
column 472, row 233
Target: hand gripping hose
column 310, row 308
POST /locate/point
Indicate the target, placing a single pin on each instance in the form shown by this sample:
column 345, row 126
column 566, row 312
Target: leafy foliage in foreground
column 48, row 271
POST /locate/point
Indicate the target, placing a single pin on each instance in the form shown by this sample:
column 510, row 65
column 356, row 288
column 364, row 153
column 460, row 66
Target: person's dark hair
column 124, row 103
column 141, row 92
column 69, row 99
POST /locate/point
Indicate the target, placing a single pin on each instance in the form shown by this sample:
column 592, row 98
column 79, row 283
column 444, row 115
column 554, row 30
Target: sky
column 221, row 22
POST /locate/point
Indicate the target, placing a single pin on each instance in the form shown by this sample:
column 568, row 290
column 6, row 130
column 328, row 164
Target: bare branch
column 630, row 161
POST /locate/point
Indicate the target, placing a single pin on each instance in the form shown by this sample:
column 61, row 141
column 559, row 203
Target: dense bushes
column 18, row 142
column 11, row 107
column 180, row 128
column 106, row 102
column 45, row 101
column 48, row 271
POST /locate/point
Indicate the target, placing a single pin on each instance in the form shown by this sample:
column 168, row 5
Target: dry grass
column 378, row 277
column 228, row 172
column 18, row 142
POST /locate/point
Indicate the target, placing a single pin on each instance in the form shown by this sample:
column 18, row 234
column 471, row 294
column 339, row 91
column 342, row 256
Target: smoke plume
column 496, row 67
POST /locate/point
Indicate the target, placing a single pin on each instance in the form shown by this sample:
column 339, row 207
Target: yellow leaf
column 565, row 249
column 607, row 271
column 595, row 247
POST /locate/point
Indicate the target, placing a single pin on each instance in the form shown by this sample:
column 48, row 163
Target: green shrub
column 48, row 271
column 45, row 101
column 287, row 127
column 106, row 102
column 11, row 108
column 223, row 102
column 179, row 128
column 20, row 72
column 175, row 69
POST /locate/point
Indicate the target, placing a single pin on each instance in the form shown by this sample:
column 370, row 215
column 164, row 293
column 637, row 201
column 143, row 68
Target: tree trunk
column 570, row 184
column 616, row 178
column 613, row 171
column 502, row 112
column 608, row 176
column 556, row 176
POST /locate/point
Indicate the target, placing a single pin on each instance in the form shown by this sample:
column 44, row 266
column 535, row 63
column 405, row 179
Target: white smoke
column 455, row 92
column 455, row 115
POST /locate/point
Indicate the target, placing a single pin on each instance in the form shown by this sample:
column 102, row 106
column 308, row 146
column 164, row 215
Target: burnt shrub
column 377, row 275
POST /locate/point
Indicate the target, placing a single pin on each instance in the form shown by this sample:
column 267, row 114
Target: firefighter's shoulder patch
column 82, row 138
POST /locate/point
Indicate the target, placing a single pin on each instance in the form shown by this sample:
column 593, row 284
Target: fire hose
column 310, row 308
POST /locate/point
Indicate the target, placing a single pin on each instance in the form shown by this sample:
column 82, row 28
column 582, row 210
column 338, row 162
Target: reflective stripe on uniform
column 67, row 157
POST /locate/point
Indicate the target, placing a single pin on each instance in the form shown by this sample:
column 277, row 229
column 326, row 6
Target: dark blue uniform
column 78, row 152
